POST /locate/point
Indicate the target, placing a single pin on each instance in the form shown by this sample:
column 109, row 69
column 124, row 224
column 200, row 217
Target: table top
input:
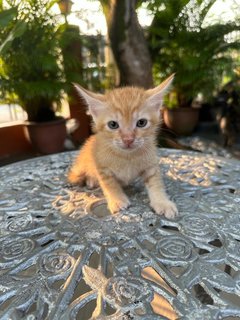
column 63, row 256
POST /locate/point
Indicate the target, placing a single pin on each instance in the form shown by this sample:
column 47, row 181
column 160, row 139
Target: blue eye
column 142, row 123
column 113, row 125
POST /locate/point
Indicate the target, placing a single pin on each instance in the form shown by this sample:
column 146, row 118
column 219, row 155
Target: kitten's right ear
column 155, row 95
column 94, row 101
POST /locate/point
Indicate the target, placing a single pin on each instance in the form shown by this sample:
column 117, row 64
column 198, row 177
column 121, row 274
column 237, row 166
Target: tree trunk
column 128, row 43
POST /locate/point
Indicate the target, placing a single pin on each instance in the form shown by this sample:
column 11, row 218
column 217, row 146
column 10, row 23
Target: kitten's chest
column 127, row 175
column 127, row 171
column 126, row 168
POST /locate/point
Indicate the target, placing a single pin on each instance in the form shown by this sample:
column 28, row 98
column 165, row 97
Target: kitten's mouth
column 128, row 147
column 131, row 147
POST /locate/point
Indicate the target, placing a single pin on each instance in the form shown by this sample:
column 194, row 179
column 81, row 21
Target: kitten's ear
column 155, row 95
column 94, row 101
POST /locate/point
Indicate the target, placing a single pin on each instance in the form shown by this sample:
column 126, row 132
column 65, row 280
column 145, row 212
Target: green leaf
column 51, row 3
column 7, row 16
column 16, row 32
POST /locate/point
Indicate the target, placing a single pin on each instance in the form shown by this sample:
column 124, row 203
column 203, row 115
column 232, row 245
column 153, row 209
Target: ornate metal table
column 63, row 256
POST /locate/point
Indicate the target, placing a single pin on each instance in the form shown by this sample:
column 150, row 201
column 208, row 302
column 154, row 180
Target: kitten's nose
column 128, row 141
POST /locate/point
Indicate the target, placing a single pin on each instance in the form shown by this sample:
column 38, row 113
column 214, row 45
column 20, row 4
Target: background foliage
column 180, row 43
column 38, row 61
column 31, row 60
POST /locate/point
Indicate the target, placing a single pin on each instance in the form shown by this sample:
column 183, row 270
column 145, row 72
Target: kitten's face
column 127, row 122
column 127, row 118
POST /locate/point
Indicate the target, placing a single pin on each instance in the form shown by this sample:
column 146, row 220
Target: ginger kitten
column 123, row 148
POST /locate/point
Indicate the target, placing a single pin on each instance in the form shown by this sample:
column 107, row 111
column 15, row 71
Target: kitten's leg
column 91, row 182
column 77, row 172
column 158, row 198
column 116, row 198
column 76, row 175
column 80, row 177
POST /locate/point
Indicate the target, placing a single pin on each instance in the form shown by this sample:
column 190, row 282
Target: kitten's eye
column 142, row 123
column 113, row 125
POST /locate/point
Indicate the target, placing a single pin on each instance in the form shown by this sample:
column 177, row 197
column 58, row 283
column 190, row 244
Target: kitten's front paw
column 92, row 183
column 166, row 208
column 117, row 204
column 72, row 177
column 76, row 178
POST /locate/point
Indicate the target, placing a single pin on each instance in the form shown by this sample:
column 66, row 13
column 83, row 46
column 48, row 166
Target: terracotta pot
column 181, row 120
column 47, row 137
column 78, row 109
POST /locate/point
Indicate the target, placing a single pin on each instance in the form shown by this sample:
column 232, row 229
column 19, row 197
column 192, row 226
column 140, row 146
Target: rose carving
column 119, row 291
column 18, row 223
column 175, row 248
column 15, row 248
column 125, row 292
column 55, row 263
column 198, row 228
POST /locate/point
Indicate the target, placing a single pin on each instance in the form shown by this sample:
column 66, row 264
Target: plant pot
column 47, row 137
column 181, row 120
column 78, row 109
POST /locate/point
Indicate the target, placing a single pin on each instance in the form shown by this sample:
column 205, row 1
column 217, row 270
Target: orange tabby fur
column 113, row 158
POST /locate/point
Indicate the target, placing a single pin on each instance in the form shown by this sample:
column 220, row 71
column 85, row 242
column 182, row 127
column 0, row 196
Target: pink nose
column 128, row 141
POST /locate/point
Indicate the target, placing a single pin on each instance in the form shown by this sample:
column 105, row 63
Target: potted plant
column 31, row 70
column 180, row 42
column 182, row 119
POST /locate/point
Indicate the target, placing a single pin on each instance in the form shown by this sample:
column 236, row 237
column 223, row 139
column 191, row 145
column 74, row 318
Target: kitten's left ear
column 94, row 101
column 155, row 95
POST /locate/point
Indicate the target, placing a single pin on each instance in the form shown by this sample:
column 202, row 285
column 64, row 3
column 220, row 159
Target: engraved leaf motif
column 94, row 278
